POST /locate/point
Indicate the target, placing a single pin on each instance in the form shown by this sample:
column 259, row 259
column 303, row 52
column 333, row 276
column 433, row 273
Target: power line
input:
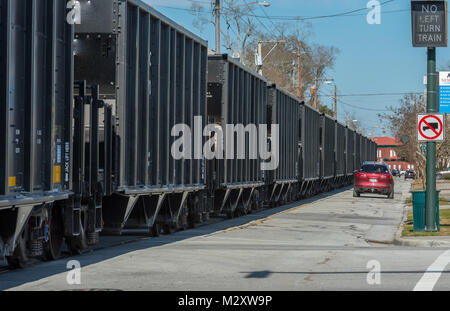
column 296, row 18
column 354, row 106
column 257, row 18
column 267, row 16
column 361, row 108
column 377, row 94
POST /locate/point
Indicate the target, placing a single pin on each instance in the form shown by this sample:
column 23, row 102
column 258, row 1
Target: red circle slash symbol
column 438, row 133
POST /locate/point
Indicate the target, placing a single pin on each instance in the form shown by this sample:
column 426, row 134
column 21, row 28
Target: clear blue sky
column 372, row 59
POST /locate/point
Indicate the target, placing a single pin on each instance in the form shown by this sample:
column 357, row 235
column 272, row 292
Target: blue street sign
column 444, row 92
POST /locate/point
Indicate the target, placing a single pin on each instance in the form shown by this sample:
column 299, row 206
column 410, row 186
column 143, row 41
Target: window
column 395, row 166
column 374, row 168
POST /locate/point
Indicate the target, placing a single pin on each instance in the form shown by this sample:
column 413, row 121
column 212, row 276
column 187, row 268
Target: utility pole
column 335, row 102
column 260, row 55
column 217, row 24
column 315, row 93
column 259, row 60
column 299, row 73
column 430, row 209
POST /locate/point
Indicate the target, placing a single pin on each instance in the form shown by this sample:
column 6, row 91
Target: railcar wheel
column 19, row 259
column 168, row 229
column 155, row 230
column 230, row 214
column 55, row 241
column 78, row 244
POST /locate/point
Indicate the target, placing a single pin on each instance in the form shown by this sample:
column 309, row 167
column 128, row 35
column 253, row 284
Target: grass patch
column 442, row 201
column 444, row 216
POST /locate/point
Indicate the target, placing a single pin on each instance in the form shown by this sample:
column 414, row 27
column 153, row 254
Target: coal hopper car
column 151, row 72
column 341, row 160
column 283, row 110
column 328, row 148
column 309, row 175
column 237, row 100
column 36, row 134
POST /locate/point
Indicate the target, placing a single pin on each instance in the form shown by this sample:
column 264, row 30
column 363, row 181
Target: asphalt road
column 331, row 242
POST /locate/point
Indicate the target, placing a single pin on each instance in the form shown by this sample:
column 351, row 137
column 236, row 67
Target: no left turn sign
column 430, row 127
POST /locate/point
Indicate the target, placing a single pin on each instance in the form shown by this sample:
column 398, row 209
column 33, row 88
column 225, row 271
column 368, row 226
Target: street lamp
column 315, row 88
column 259, row 60
column 355, row 122
column 264, row 4
column 217, row 13
column 332, row 82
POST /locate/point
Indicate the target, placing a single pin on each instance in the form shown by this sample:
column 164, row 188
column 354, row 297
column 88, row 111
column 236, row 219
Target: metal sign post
column 429, row 29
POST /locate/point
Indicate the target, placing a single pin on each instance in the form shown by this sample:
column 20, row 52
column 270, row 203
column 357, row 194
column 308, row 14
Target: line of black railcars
column 87, row 114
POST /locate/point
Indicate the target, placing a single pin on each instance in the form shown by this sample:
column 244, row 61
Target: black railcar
column 310, row 150
column 341, row 163
column 283, row 110
column 152, row 73
column 237, row 104
column 90, row 116
column 35, row 118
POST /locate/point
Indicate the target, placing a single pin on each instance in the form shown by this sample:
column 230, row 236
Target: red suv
column 374, row 177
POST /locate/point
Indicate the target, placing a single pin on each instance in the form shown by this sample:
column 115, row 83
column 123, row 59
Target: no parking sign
column 430, row 127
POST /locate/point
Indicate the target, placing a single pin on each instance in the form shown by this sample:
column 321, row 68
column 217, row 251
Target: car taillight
column 360, row 175
column 386, row 176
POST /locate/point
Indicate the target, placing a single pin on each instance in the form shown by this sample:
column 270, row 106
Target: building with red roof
column 387, row 152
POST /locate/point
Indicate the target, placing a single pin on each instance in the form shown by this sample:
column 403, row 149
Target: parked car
column 395, row 172
column 402, row 173
column 443, row 174
column 410, row 174
column 374, row 177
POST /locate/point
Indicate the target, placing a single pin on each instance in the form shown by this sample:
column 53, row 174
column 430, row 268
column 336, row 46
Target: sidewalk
column 435, row 241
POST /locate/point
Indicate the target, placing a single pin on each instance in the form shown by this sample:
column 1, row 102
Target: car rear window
column 373, row 168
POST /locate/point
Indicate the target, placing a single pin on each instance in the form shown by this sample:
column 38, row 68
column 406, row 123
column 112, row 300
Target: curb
column 411, row 242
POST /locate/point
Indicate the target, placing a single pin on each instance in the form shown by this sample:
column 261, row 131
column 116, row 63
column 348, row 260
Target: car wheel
column 391, row 195
column 356, row 194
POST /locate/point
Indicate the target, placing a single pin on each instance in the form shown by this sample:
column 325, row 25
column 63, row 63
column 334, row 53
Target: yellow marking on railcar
column 12, row 181
column 57, row 174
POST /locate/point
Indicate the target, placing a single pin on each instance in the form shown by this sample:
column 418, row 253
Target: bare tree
column 280, row 66
column 403, row 122
column 237, row 25
column 241, row 30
